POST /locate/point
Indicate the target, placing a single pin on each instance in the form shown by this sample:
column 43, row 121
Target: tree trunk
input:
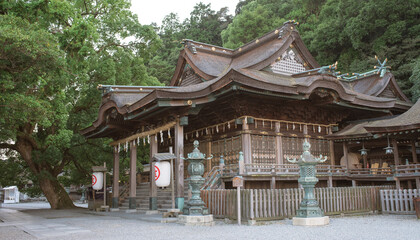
column 55, row 193
column 52, row 189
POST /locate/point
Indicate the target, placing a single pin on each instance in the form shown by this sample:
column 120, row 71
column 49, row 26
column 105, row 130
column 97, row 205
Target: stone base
column 151, row 212
column 153, row 203
column 315, row 221
column 173, row 212
column 115, row 201
column 205, row 220
column 114, row 209
column 131, row 210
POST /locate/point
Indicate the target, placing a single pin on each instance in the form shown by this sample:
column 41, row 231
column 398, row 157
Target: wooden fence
column 271, row 204
column 399, row 201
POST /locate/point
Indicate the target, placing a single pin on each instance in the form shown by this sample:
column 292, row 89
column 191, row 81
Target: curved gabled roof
column 243, row 69
column 264, row 82
column 211, row 61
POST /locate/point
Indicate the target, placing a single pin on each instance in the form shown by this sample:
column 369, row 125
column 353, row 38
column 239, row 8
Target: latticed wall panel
column 229, row 148
column 292, row 148
column 263, row 149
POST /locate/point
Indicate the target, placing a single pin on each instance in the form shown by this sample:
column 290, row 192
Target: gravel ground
column 121, row 225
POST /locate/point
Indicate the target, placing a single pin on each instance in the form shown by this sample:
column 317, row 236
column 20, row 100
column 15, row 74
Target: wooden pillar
column 364, row 161
column 346, row 154
column 273, row 183
column 413, row 151
column 116, row 178
column 179, row 163
column 330, row 182
column 332, row 155
column 409, row 184
column 418, row 183
column 279, row 145
column 353, row 183
column 133, row 173
column 396, row 155
column 397, row 184
column 246, row 142
column 209, row 166
column 152, row 187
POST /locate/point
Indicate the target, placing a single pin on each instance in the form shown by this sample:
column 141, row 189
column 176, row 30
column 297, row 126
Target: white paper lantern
column 97, row 180
column 162, row 173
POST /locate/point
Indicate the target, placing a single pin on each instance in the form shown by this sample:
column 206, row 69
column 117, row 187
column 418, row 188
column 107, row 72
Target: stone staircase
column 163, row 197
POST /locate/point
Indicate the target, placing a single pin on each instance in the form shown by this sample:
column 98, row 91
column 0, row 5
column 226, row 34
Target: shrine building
column 252, row 107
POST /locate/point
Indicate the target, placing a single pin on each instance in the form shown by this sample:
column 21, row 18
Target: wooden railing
column 407, row 170
column 230, row 170
column 292, row 169
column 124, row 191
column 412, row 170
column 271, row 204
column 211, row 178
column 373, row 172
column 399, row 201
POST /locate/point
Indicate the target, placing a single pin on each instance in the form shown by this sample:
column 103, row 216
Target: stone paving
column 29, row 222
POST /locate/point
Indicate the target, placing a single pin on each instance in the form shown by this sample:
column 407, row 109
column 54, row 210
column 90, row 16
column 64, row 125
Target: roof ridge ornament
column 329, row 69
column 382, row 69
column 285, row 28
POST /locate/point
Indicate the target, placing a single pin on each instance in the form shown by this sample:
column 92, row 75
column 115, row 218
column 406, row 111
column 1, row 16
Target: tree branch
column 8, row 146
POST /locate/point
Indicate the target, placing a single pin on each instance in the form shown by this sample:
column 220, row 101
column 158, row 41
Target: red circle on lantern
column 94, row 179
column 157, row 173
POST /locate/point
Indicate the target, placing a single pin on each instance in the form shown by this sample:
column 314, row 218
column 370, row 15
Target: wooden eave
column 236, row 80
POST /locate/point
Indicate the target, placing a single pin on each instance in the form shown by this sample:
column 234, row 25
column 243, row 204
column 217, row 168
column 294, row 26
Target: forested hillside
column 350, row 32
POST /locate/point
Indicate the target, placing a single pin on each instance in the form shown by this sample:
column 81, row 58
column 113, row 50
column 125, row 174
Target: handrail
column 211, row 178
column 370, row 171
column 329, row 170
column 407, row 170
column 124, row 191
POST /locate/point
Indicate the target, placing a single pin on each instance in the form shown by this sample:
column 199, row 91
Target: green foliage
column 53, row 55
column 350, row 32
column 415, row 81
column 203, row 25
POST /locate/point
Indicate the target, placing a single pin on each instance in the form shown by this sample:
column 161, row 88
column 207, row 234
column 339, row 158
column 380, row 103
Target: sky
column 149, row 11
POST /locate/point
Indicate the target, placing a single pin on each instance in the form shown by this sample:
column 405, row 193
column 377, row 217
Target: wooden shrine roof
column 219, row 70
column 407, row 123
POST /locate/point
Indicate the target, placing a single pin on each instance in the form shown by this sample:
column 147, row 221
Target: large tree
column 53, row 55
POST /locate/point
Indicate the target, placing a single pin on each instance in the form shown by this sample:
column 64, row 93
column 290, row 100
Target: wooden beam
column 246, row 142
column 143, row 134
column 116, row 178
column 153, row 189
column 395, row 149
column 279, row 145
column 133, row 172
column 346, row 154
column 179, row 164
column 413, row 151
column 332, row 153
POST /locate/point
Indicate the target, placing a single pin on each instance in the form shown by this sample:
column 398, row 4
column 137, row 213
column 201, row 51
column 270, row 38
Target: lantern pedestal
column 204, row 220
column 315, row 221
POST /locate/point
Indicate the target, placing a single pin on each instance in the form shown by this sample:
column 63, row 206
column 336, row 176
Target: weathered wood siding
column 399, row 201
column 271, row 204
